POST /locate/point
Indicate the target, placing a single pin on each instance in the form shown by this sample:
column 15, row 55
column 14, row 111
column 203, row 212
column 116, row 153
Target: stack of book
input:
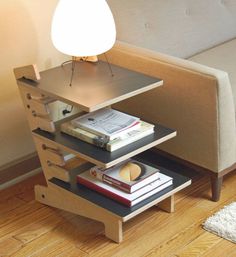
column 108, row 128
column 129, row 182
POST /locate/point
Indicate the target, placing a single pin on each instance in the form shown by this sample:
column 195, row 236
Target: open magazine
column 107, row 122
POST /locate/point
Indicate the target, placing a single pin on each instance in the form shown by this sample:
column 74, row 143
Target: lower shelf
column 80, row 200
column 179, row 182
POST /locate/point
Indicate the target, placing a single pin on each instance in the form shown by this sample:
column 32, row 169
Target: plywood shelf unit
column 93, row 87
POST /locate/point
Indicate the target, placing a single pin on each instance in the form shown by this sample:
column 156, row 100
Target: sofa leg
column 216, row 184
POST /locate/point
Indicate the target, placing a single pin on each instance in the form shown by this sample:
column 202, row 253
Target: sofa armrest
column 196, row 100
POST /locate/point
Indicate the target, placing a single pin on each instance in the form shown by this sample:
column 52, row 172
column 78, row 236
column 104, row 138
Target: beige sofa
column 199, row 93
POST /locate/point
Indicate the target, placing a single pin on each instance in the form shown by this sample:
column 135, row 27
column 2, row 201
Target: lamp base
column 87, row 59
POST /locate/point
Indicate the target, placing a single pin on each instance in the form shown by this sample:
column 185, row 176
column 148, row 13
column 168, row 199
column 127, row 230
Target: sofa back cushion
column 177, row 27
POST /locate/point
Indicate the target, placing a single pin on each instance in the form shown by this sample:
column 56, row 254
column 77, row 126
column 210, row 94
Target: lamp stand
column 93, row 59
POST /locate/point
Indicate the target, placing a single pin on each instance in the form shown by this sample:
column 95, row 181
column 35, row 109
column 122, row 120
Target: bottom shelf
column 179, row 182
column 81, row 200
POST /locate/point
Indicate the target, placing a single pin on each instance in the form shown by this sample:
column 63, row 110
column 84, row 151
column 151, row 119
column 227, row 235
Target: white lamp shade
column 83, row 27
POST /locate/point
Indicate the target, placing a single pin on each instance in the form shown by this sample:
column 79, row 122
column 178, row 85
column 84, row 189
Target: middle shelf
column 100, row 156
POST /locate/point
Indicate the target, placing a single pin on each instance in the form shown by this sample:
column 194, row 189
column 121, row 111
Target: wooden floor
column 28, row 228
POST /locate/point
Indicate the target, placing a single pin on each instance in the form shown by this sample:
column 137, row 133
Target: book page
column 107, row 121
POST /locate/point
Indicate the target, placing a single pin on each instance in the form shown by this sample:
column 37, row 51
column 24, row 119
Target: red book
column 128, row 176
column 125, row 198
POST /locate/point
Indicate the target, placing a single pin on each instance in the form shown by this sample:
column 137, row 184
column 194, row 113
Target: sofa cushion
column 221, row 57
column 179, row 28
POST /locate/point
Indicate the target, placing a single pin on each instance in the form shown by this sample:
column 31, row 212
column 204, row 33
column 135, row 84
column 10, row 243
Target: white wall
column 24, row 39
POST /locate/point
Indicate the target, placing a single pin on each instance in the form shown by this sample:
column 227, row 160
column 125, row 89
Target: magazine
column 107, row 122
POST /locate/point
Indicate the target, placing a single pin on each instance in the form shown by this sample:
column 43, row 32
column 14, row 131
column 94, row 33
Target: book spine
column 117, row 183
column 127, row 190
column 111, row 181
column 104, row 191
column 78, row 135
column 152, row 192
column 95, row 140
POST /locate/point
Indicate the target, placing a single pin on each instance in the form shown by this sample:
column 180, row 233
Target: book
column 129, row 137
column 107, row 123
column 128, row 176
column 125, row 198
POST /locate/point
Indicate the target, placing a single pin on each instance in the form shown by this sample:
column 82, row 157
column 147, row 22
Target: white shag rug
column 223, row 223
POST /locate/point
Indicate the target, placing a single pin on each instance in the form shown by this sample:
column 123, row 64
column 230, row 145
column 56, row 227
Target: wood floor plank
column 56, row 248
column 9, row 203
column 198, row 246
column 222, row 248
column 38, row 228
column 178, row 241
column 9, row 246
column 36, row 247
column 32, row 225
column 232, row 252
column 66, row 250
column 74, row 231
column 17, row 213
column 9, row 199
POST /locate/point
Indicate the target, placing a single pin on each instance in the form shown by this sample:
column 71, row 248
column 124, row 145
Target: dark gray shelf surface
column 93, row 86
column 100, row 154
column 112, row 205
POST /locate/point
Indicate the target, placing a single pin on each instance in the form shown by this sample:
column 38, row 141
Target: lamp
column 83, row 27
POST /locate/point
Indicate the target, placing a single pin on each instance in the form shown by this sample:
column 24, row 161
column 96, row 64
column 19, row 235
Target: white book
column 129, row 137
column 107, row 122
column 128, row 199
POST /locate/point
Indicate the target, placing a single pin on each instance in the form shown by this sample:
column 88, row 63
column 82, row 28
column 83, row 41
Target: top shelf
column 93, row 86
